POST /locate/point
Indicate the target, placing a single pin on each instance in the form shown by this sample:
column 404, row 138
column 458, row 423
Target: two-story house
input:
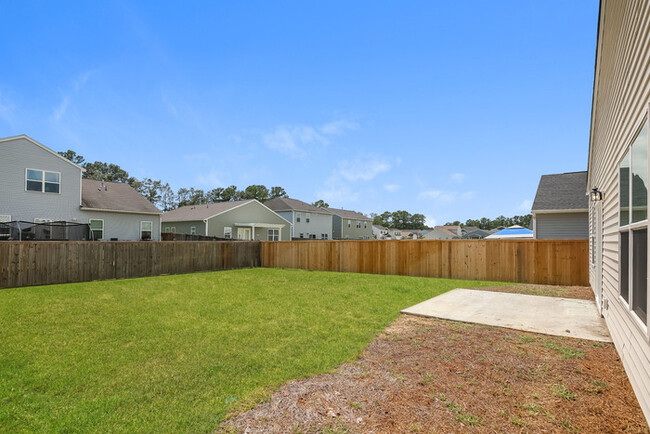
column 38, row 186
column 308, row 221
column 350, row 225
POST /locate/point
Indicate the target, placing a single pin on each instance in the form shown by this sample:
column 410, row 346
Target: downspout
column 206, row 226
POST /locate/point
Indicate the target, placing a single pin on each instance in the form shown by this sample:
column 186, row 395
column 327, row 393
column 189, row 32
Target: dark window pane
column 624, row 253
column 51, row 188
column 640, row 176
column 624, row 190
column 34, row 186
column 640, row 273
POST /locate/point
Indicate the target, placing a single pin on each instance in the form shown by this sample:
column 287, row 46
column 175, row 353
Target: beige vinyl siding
column 621, row 96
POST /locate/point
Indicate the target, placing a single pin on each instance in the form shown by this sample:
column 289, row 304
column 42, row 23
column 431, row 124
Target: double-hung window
column 227, row 232
column 146, row 229
column 358, row 224
column 192, row 230
column 349, row 223
column 273, row 234
column 298, row 215
column 633, row 226
column 307, row 217
column 42, row 181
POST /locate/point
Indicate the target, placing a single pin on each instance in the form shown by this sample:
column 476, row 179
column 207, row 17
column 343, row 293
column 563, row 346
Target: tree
column 230, row 193
column 258, row 192
column 109, row 172
column 215, row 195
column 321, row 204
column 277, row 192
column 72, row 156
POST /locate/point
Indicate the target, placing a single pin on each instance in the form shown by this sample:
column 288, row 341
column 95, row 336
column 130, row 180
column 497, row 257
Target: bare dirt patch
column 579, row 292
column 430, row 375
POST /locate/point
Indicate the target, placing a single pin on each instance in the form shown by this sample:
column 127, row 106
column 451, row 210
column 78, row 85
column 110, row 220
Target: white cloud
column 526, row 205
column 430, row 221
column 292, row 139
column 338, row 127
column 59, row 112
column 295, row 140
column 445, row 195
column 392, row 188
column 457, row 178
column 209, row 180
column 336, row 189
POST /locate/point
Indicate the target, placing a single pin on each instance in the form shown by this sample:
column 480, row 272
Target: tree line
column 161, row 194
column 501, row 221
column 399, row 220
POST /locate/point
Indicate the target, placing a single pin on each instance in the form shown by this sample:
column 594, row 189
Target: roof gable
column 202, row 212
column 563, row 191
column 288, row 204
column 347, row 214
column 45, row 148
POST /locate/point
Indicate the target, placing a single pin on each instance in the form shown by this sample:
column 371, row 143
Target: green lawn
column 176, row 353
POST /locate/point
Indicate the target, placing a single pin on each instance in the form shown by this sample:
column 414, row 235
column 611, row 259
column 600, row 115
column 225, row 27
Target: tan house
column 617, row 183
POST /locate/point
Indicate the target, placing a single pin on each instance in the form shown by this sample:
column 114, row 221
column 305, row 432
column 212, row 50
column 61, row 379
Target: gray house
column 561, row 207
column 307, row 220
column 350, row 225
column 38, row 186
column 241, row 219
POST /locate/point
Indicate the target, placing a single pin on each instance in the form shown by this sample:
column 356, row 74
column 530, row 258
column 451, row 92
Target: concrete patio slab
column 532, row 313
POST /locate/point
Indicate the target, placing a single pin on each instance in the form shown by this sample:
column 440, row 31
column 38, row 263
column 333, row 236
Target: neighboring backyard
column 177, row 353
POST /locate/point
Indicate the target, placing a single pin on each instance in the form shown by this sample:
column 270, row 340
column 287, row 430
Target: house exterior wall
column 319, row 224
column 437, row 234
column 337, row 227
column 15, row 201
column 620, row 101
column 17, row 156
column 561, row 225
column 185, row 227
column 352, row 232
column 123, row 226
column 252, row 212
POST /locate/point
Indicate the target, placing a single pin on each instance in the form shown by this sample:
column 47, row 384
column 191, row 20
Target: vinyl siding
column 621, row 95
column 562, row 225
column 20, row 154
column 252, row 212
column 319, row 224
column 185, row 227
column 354, row 233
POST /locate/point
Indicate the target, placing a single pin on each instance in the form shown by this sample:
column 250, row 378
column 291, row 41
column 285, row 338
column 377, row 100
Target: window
column 146, row 228
column 168, row 229
column 349, row 223
column 307, row 217
column 633, row 226
column 298, row 215
column 358, row 224
column 365, row 225
column 193, row 230
column 227, row 232
column 323, row 236
column 173, row 229
column 273, row 234
column 43, row 181
column 302, row 235
column 312, row 236
column 97, row 229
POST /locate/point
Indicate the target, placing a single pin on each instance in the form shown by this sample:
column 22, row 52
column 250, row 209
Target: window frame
column 92, row 230
column 192, row 230
column 298, row 217
column 142, row 230
column 349, row 223
column 631, row 226
column 273, row 234
column 307, row 217
column 358, row 224
column 227, row 232
column 43, row 181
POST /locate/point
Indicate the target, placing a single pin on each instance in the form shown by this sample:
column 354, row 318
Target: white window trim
column 173, row 229
column 307, row 217
column 630, row 227
column 151, row 230
column 43, row 180
column 298, row 217
column 192, row 230
column 273, row 234
column 168, row 230
column 227, row 232
column 4, row 218
column 98, row 220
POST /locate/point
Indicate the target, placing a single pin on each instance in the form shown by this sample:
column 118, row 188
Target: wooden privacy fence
column 556, row 262
column 38, row 263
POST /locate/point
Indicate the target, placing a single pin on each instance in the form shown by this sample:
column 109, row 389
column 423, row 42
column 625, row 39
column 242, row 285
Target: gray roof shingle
column 200, row 212
column 346, row 214
column 562, row 191
column 114, row 196
column 287, row 204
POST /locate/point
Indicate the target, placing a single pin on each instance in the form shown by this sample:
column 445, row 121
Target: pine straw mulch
column 430, row 375
column 580, row 292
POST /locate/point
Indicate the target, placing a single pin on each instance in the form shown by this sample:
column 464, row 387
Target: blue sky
column 449, row 109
